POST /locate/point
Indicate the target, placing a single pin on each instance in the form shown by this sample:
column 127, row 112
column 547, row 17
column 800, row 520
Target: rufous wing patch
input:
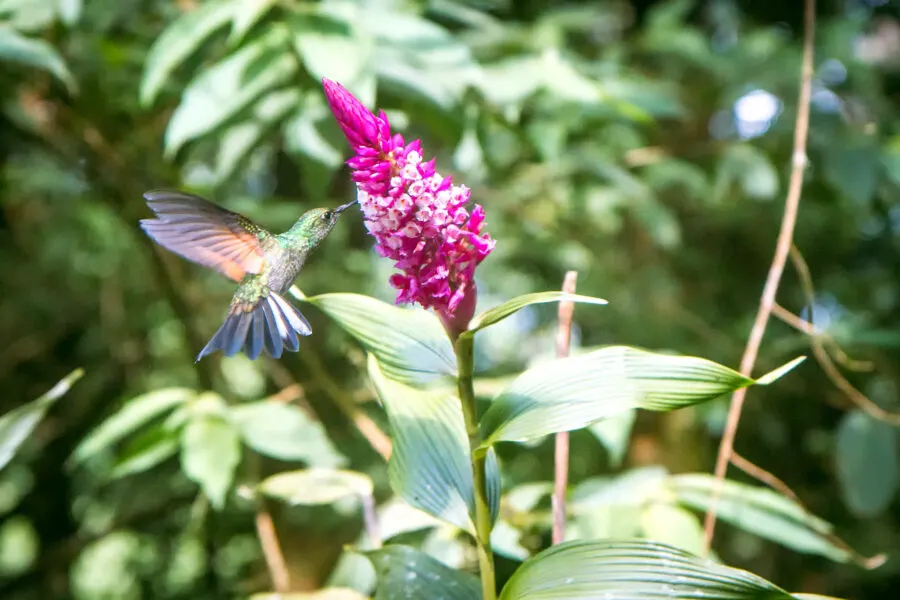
column 205, row 233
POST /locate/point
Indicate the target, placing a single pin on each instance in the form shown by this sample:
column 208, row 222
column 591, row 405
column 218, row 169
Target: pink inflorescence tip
column 417, row 217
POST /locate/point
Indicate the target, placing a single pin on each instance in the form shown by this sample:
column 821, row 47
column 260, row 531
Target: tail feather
column 272, row 324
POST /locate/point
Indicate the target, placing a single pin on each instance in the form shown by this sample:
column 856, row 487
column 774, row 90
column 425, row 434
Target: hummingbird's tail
column 271, row 324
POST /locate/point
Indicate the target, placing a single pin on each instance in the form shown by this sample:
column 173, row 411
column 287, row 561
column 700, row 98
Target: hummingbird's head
column 318, row 222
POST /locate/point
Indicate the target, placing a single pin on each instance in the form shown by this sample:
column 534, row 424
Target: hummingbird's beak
column 343, row 207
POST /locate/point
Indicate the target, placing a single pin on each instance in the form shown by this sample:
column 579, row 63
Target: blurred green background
column 645, row 144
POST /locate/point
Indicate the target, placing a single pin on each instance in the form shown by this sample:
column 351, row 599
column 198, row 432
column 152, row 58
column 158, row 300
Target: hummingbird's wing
column 205, row 233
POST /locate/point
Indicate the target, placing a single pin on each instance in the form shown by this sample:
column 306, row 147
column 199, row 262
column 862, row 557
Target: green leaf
column 674, row 526
column 866, row 460
column 633, row 569
column 329, row 47
column 285, row 432
column 132, row 416
column 407, row 574
column 410, row 344
column 228, row 87
column 763, row 512
column 571, row 393
column 246, row 14
column 429, row 466
column 210, row 453
column 32, row 52
column 315, row 486
column 614, row 433
column 19, row 423
column 178, row 42
column 149, row 449
column 748, row 167
column 238, row 141
column 498, row 313
column 326, row 594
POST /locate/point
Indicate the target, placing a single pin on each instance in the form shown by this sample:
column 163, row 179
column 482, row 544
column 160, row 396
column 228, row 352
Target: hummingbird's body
column 264, row 264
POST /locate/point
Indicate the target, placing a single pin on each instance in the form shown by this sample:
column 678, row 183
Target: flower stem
column 464, row 347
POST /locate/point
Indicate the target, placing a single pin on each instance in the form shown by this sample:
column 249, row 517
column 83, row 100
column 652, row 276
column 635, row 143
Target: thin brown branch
column 561, row 458
column 868, row 562
column 268, row 539
column 833, row 373
column 782, row 249
column 764, row 476
column 370, row 430
column 806, row 283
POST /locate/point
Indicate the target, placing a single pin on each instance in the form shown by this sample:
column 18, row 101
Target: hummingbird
column 264, row 264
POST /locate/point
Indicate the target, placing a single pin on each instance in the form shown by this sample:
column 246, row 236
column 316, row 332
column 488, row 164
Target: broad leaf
column 329, row 47
column 866, row 459
column 498, row 313
column 763, row 512
column 178, row 42
column 238, row 141
column 229, row 86
column 633, row 569
column 246, row 14
column 147, row 450
column 429, row 466
column 325, row 594
column 672, row 525
column 19, row 423
column 36, row 53
column 410, row 344
column 285, row 432
column 571, row 393
column 407, row 574
column 614, row 433
column 315, row 486
column 210, row 452
column 127, row 420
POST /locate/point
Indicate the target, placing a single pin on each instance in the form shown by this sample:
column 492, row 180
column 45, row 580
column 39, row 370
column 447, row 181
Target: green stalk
column 464, row 348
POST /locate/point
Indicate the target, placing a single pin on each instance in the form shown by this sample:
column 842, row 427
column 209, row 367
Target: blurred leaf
column 246, row 14
column 429, row 466
column 615, row 433
column 19, row 423
column 407, row 574
column 70, row 11
column 132, row 416
column 498, row 313
column 178, row 42
column 512, row 80
column 748, row 167
column 315, row 486
column 853, row 168
column 571, row 393
column 410, row 344
column 866, row 460
column 674, row 526
column 330, row 48
column 147, row 450
column 285, row 432
column 325, row 594
column 238, row 141
column 35, row 53
column 418, row 56
column 224, row 89
column 632, row 569
column 763, row 512
column 210, row 453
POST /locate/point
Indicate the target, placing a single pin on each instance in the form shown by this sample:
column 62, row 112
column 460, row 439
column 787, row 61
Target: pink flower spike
column 416, row 216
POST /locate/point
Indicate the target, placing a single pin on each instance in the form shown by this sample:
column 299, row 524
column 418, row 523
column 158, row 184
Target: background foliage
column 644, row 144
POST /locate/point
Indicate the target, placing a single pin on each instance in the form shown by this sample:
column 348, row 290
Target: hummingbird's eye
column 326, row 215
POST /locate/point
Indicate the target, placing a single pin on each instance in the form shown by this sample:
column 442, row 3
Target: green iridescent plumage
column 264, row 264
